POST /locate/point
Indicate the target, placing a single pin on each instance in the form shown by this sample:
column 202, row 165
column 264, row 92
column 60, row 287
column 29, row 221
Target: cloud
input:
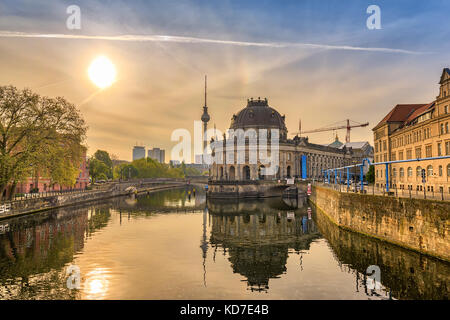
column 194, row 40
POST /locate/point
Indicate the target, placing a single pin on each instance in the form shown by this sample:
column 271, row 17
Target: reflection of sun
column 96, row 284
column 102, row 72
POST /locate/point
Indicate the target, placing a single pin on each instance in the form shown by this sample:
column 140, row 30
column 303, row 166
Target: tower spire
column 206, row 89
column 205, row 118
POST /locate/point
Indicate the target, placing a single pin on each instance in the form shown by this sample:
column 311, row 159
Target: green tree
column 370, row 176
column 104, row 157
column 98, row 169
column 38, row 135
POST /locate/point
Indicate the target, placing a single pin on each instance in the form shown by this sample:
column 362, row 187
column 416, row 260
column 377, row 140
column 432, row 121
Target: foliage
column 146, row 168
column 370, row 176
column 104, row 157
column 98, row 169
column 38, row 134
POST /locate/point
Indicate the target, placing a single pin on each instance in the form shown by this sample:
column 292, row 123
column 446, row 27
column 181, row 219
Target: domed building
column 295, row 158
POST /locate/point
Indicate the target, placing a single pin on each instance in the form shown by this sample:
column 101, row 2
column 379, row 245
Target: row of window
column 442, row 149
column 419, row 187
column 429, row 171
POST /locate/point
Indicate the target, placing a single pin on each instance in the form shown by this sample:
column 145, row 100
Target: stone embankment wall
column 28, row 206
column 417, row 224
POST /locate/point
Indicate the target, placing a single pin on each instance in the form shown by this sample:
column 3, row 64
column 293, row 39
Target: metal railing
column 372, row 189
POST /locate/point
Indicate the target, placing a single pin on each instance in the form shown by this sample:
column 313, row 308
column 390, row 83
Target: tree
column 370, row 176
column 98, row 169
column 104, row 157
column 38, row 135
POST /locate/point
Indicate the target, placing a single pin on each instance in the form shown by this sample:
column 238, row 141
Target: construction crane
column 348, row 127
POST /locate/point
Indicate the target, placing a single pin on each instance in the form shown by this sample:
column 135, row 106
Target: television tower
column 205, row 118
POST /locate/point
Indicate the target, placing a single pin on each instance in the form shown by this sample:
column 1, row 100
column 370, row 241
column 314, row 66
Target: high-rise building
column 157, row 154
column 138, row 152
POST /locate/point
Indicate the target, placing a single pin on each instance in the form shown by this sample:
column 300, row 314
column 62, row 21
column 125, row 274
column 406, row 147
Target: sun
column 102, row 72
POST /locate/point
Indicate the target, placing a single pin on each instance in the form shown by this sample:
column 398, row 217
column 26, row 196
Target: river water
column 172, row 245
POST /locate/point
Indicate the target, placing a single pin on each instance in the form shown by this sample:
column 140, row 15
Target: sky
column 313, row 60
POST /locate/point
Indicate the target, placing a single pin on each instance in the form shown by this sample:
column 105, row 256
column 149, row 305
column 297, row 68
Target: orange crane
column 348, row 127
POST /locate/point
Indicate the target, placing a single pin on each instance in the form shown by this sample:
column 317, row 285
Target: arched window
column 448, row 170
column 402, row 172
column 430, row 170
column 232, row 173
column 410, row 172
column 261, row 173
column 418, row 171
column 394, row 172
column 440, row 171
column 246, row 173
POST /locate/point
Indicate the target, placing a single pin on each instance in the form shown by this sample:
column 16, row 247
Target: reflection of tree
column 258, row 238
column 163, row 201
column 407, row 274
column 33, row 254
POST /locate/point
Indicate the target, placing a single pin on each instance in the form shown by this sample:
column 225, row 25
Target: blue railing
column 328, row 172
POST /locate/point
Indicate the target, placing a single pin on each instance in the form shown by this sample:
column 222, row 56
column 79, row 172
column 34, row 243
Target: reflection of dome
column 257, row 115
column 258, row 238
column 259, row 264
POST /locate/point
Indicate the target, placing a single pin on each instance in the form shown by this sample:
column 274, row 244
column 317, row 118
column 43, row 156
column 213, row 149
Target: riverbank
column 417, row 224
column 30, row 206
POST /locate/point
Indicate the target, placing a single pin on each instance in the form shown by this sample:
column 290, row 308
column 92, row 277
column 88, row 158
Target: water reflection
column 35, row 251
column 258, row 238
column 138, row 247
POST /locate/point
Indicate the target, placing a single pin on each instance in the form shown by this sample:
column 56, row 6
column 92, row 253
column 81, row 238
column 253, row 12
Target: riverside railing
column 422, row 193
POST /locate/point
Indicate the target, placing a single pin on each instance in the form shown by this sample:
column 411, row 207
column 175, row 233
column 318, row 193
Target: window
column 394, row 171
column 410, row 172
column 418, row 171
column 418, row 153
column 440, row 171
column 446, row 127
column 442, row 128
column 393, row 156
column 384, row 145
column 446, row 109
column 402, row 172
column 430, row 170
column 408, row 154
column 428, row 152
column 447, row 148
column 400, row 155
column 439, row 147
column 448, row 170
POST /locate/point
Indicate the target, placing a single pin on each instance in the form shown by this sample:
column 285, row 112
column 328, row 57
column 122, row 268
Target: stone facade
column 258, row 115
column 417, row 224
column 416, row 131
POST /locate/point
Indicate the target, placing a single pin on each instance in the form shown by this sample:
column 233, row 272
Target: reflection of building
column 138, row 152
column 258, row 239
column 297, row 157
column 411, row 131
column 157, row 154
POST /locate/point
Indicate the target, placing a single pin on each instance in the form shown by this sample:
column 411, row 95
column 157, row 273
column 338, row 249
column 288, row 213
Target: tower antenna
column 206, row 83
